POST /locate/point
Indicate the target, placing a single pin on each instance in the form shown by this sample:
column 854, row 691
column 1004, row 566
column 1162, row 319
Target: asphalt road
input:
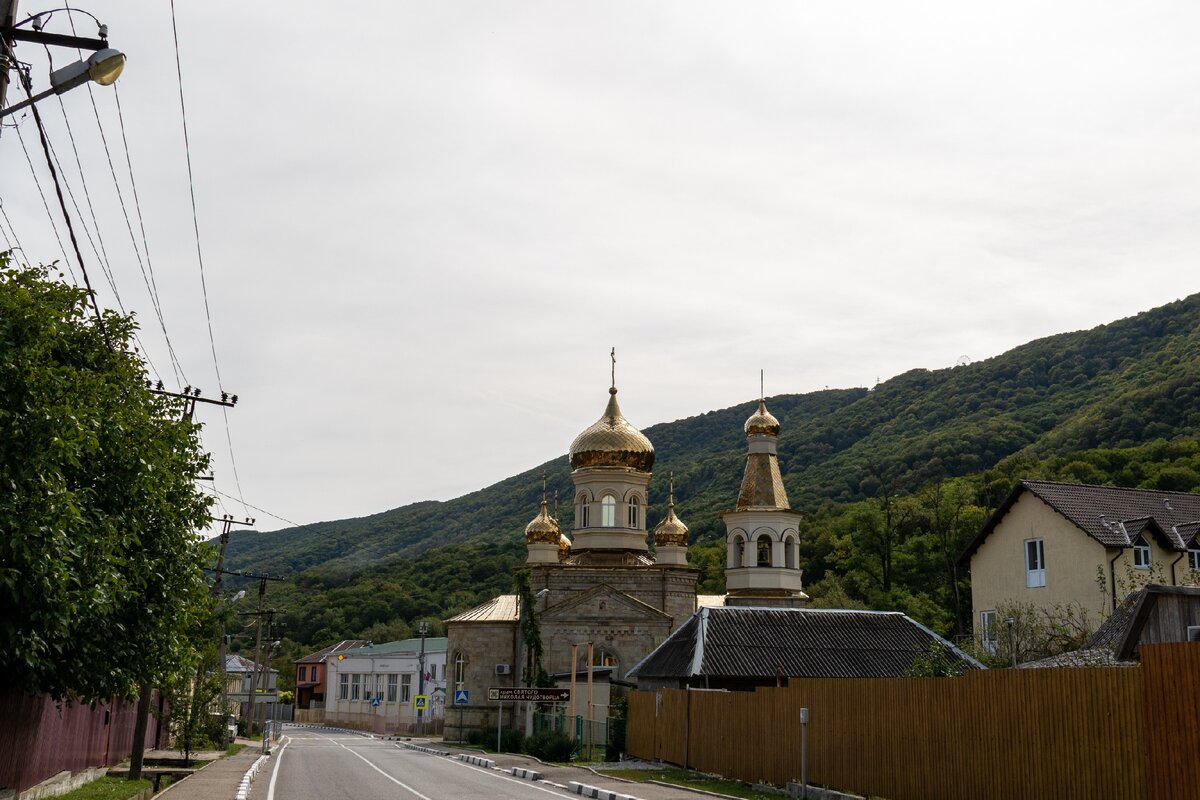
column 316, row 765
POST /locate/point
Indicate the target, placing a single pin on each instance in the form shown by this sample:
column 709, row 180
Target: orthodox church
column 603, row 585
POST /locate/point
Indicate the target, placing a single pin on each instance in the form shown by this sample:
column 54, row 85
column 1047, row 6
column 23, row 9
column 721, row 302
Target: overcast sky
column 423, row 225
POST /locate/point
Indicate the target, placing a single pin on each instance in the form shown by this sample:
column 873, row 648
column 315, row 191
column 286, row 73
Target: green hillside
column 902, row 471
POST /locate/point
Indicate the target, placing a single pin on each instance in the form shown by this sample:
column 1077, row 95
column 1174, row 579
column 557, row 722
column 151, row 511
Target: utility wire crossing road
column 315, row 765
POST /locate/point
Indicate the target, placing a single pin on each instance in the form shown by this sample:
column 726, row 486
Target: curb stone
column 527, row 774
column 594, row 791
column 477, row 761
column 243, row 790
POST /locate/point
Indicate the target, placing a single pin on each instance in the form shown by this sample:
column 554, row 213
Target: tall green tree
column 100, row 565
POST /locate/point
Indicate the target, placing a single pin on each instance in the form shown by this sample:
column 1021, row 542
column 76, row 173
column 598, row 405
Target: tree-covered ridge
column 886, row 468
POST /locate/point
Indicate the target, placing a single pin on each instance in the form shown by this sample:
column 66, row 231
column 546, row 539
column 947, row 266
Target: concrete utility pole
column 424, row 631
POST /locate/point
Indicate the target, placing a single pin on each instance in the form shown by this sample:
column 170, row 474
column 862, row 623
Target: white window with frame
column 633, row 512
column 460, row 671
column 987, row 631
column 343, row 687
column 1141, row 553
column 1035, row 564
column 355, row 686
column 608, row 511
column 379, row 685
column 1194, row 559
column 405, row 687
column 391, row 695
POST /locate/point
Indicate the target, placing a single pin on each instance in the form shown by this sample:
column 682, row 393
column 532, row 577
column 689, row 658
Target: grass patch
column 107, row 788
column 692, row 780
column 234, row 749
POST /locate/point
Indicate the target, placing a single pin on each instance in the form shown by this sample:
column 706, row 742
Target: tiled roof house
column 1053, row 545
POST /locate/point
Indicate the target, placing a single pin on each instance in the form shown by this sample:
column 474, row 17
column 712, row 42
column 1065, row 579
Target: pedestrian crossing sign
column 421, row 702
column 460, row 697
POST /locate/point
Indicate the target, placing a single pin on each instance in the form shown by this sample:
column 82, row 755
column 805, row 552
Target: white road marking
column 399, row 783
column 275, row 772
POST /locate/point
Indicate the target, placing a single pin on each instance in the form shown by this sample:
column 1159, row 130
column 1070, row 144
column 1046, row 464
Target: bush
column 476, row 738
column 511, row 741
column 550, row 746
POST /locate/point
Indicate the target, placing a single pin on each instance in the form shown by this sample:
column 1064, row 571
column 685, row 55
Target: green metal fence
column 592, row 737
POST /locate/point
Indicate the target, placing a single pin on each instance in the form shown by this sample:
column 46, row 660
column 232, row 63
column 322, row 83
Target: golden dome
column 762, row 422
column 564, row 546
column 671, row 532
column 612, row 442
column 543, row 528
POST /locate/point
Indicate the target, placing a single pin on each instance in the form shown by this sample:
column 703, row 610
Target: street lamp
column 103, row 66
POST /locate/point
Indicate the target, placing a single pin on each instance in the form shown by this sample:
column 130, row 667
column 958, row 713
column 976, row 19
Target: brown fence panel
column 641, row 724
column 40, row 738
column 1171, row 693
column 1036, row 734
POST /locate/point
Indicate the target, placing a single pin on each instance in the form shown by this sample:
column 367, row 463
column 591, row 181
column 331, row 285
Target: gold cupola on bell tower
column 610, row 468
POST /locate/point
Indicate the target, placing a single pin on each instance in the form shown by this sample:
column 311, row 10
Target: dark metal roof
column 1112, row 515
column 319, row 656
column 738, row 642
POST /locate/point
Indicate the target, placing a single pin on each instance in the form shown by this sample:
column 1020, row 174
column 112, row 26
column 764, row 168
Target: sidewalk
column 216, row 781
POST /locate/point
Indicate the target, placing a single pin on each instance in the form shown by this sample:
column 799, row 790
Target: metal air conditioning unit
column 503, row 669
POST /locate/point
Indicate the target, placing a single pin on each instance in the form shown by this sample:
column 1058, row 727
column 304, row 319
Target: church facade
column 603, row 585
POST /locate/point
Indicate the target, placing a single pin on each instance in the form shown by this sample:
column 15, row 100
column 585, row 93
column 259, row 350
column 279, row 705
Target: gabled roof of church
column 499, row 609
column 575, row 606
column 1112, row 515
column 741, row 642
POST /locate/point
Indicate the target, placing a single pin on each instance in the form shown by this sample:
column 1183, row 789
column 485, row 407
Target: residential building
column 310, row 674
column 1055, row 546
column 740, row 648
column 245, row 679
column 604, row 597
column 377, row 687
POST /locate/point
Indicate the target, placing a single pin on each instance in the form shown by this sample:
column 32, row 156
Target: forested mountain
column 893, row 480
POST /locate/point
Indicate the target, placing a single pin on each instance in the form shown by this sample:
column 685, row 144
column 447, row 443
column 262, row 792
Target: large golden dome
column 762, row 422
column 612, row 442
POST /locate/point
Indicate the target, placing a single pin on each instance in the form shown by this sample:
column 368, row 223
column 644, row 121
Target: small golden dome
column 762, row 422
column 612, row 442
column 671, row 532
column 564, row 546
column 543, row 528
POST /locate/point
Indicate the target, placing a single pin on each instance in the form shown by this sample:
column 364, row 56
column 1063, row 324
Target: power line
column 268, row 513
column 46, row 205
column 13, row 231
column 196, row 229
column 148, row 279
column 37, row 118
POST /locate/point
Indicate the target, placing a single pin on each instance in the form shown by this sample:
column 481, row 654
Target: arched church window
column 633, row 512
column 608, row 511
column 739, row 548
column 584, row 512
column 789, row 552
column 764, row 550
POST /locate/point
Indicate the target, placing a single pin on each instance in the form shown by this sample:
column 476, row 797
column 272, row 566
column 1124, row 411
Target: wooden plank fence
column 1129, row 733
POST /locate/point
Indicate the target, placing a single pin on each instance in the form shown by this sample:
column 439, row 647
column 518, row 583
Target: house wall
column 1072, row 562
column 483, row 645
column 395, row 713
column 1170, row 619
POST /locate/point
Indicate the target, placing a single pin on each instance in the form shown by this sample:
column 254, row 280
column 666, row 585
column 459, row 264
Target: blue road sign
column 460, row 697
column 375, row 702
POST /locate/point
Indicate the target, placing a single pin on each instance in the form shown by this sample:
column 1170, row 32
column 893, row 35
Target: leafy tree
column 100, row 567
